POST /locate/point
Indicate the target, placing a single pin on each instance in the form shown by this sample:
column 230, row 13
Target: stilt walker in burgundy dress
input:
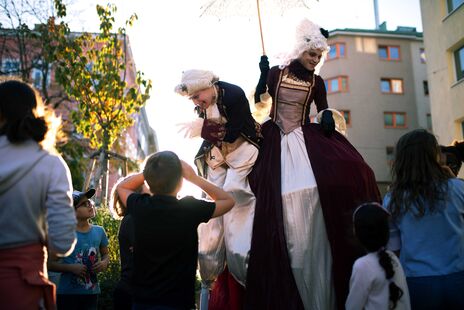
column 307, row 180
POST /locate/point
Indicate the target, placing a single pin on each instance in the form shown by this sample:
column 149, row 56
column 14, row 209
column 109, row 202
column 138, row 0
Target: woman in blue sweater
column 427, row 206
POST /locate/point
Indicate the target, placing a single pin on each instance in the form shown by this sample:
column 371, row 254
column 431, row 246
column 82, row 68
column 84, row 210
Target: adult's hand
column 264, row 69
column 327, row 123
column 213, row 132
column 264, row 64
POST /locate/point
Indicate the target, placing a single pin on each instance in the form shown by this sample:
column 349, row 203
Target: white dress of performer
column 226, row 239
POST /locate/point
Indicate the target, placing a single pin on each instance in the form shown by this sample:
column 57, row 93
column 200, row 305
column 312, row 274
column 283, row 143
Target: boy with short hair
column 78, row 287
column 165, row 230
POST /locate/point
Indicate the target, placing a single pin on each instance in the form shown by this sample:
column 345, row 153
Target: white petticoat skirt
column 307, row 242
column 227, row 239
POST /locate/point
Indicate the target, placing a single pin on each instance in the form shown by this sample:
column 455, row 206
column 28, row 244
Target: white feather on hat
column 195, row 80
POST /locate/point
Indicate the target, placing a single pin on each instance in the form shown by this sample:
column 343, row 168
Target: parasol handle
column 260, row 27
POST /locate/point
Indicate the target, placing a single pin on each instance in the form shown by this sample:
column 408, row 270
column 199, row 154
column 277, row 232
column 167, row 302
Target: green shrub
column 109, row 278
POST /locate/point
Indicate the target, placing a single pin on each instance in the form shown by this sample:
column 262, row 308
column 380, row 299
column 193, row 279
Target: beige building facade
column 378, row 79
column 443, row 23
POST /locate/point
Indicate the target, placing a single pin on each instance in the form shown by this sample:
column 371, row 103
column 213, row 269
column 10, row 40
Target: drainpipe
column 376, row 14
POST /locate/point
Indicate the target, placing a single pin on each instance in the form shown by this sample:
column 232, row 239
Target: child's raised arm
column 129, row 185
column 224, row 201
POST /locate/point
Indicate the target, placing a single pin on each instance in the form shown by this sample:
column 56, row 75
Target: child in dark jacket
column 165, row 231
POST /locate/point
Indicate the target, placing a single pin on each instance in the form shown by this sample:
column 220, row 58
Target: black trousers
column 76, row 302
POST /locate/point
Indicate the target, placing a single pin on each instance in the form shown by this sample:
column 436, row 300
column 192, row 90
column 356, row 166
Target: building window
column 37, row 76
column 426, row 87
column 459, row 62
column 391, row 86
column 423, row 59
column 390, row 151
column 394, row 119
column 337, row 50
column 347, row 116
column 337, row 84
column 10, row 66
column 389, row 52
column 454, row 4
column 429, row 121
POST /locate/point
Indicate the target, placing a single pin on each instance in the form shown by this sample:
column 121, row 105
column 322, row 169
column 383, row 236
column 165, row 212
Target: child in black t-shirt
column 165, row 231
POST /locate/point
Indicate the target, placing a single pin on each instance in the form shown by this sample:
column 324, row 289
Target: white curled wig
column 308, row 35
column 195, row 80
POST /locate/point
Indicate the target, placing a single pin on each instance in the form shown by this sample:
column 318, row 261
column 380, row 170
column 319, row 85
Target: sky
column 170, row 36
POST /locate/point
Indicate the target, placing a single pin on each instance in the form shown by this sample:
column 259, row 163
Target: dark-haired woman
column 427, row 206
column 377, row 281
column 35, row 201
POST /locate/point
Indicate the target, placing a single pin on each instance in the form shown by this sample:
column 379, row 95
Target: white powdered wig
column 307, row 36
column 195, row 80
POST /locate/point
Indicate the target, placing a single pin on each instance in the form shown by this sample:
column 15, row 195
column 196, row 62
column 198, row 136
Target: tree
column 93, row 70
column 29, row 52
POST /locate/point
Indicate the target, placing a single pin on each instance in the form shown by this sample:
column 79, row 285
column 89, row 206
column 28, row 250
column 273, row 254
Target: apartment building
column 378, row 80
column 443, row 22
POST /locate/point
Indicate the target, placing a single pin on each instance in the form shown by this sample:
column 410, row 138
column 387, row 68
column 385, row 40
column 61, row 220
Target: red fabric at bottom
column 16, row 293
column 23, row 284
column 227, row 293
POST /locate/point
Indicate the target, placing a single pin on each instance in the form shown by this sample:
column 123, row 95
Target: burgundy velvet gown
column 344, row 181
